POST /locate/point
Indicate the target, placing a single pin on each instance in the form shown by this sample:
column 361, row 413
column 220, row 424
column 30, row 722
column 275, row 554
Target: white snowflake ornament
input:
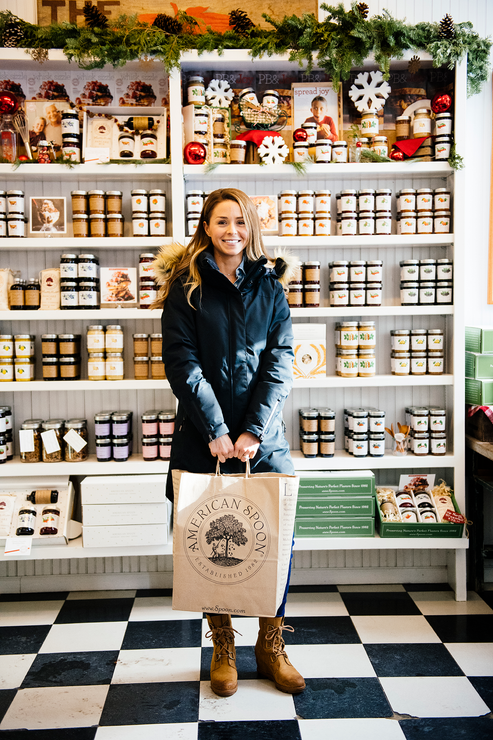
column 369, row 91
column 219, row 94
column 273, row 150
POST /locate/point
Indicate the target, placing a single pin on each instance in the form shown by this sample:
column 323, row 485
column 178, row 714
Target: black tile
column 6, row 699
column 463, row 627
column 313, row 589
column 414, row 659
column 453, row 728
column 380, row 603
column 151, row 703
column 95, row 610
column 246, row 665
column 178, row 633
column 73, row 733
column 333, row 698
column 17, row 640
column 484, row 687
column 321, row 631
column 71, row 669
column 427, row 587
column 266, row 730
column 141, row 592
column 61, row 596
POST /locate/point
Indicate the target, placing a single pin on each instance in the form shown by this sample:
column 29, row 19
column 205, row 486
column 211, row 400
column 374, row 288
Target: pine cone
column 240, row 22
column 93, row 17
column 12, row 34
column 168, row 24
column 363, row 9
column 414, row 65
column 447, row 28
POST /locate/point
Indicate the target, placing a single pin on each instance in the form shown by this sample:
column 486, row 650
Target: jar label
column 120, row 452
column 373, row 297
column 68, row 270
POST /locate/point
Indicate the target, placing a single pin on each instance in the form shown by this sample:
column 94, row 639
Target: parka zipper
column 266, row 425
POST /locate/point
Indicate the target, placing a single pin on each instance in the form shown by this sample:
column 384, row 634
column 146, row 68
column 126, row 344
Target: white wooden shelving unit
column 84, row 398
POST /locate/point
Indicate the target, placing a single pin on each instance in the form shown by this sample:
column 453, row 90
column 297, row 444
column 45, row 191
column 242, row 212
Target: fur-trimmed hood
column 284, row 263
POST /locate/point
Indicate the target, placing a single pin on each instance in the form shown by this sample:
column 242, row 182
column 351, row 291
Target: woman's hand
column 222, row 448
column 246, row 446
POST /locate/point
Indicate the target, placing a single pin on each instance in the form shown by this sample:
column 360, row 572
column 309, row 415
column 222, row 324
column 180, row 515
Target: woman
column 228, row 353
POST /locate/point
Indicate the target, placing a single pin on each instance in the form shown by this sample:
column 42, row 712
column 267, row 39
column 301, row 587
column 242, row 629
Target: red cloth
column 256, row 136
column 410, row 146
column 488, row 410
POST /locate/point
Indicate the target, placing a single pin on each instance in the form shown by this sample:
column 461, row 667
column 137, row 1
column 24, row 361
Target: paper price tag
column 50, row 441
column 453, row 516
column 15, row 546
column 75, row 440
column 26, row 440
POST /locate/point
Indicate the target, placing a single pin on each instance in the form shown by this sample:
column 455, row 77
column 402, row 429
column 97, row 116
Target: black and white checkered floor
column 380, row 663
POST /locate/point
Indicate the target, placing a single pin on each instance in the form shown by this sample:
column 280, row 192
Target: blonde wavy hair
column 185, row 268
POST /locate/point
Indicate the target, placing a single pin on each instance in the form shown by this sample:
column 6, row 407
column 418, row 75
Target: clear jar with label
column 23, row 369
column 102, row 424
column 357, row 271
column 97, row 201
column 148, row 145
column 436, row 339
column 383, row 199
column 140, row 224
column 380, row 146
column 309, row 445
column 114, row 338
column 121, row 423
column 357, row 294
column 58, row 427
column 376, row 444
column 323, row 151
column 150, row 423
column 383, row 223
column 443, row 145
column 311, row 295
column 147, row 293
column 157, row 368
column 408, row 223
column 95, row 338
column 366, row 223
column 311, row 272
column 437, row 419
column 403, row 127
column 165, row 448
column 418, row 363
column 322, row 203
column 360, row 420
column 68, row 266
column 306, row 225
column 288, row 225
column 126, row 144
column 50, row 368
column 87, row 266
column 360, row 445
column 121, row 449
column 16, row 226
column 308, row 420
column 443, row 124
column 114, row 366
column 409, row 293
column 444, row 269
column 409, row 269
column 145, row 265
column 26, row 522
column 427, row 269
column 438, row 443
column 322, row 225
column 237, row 151
column 427, row 293
column 140, row 203
column 441, row 222
column 79, row 202
column 113, row 202
column 400, row 340
column 88, row 294
column 422, row 123
column 71, row 148
column 424, row 199
column 220, row 151
column 166, row 423
column 6, row 346
column 295, row 296
column 406, row 200
column 3, row 225
column 80, row 224
column 69, row 294
column 327, row 420
column 196, row 90
column 306, row 202
column 348, row 201
column 96, row 366
column 288, row 202
column 141, row 345
column 374, row 271
column 348, row 335
column 195, row 201
column 420, row 443
column 347, row 363
column 418, row 340
column 436, row 363
column 300, row 151
column 400, row 363
column 114, row 225
column 141, row 367
column 248, row 95
column 150, row 449
column 311, row 131
column 103, row 449
column 156, row 344
column 369, row 123
column 15, row 202
column 366, row 363
column 339, row 271
column 97, row 225
column 366, row 200
column 367, row 338
column 339, row 294
column 69, row 344
column 339, row 151
column 349, row 223
column 326, row 445
column 444, row 292
column 34, row 425
column 69, row 368
column 419, row 419
column 374, row 294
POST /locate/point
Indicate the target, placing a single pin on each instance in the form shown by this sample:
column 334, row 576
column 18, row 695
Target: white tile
column 178, row 731
column 372, row 588
column 443, row 602
column 330, row 661
column 90, row 636
column 475, row 658
column 349, row 729
column 247, row 631
column 377, row 629
column 27, row 613
column 55, row 707
column 150, row 666
column 156, row 608
column 434, row 696
column 254, row 700
column 13, row 669
column 315, row 605
column 80, row 595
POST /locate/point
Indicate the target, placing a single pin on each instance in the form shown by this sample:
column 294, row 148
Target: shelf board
column 318, row 171
column 355, row 311
column 333, row 381
column 135, row 465
column 70, row 243
column 84, row 172
column 84, row 385
column 359, row 242
column 344, row 461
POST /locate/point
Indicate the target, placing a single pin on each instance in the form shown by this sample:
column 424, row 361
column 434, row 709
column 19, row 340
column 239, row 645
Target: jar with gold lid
column 70, row 367
column 156, row 345
column 114, row 366
column 366, row 363
column 95, row 338
column 347, row 363
column 96, row 366
column 157, row 368
column 114, row 338
column 50, row 368
column 369, row 123
column 422, row 123
column 141, row 367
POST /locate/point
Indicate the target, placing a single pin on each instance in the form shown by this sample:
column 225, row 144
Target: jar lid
column 96, row 192
column 32, row 424
column 78, row 192
column 348, row 324
column 53, row 423
column 340, row 143
column 424, row 190
column 88, row 257
column 423, row 110
column 302, row 193
column 309, row 413
column 150, row 415
column 339, row 286
column 19, row 193
column 271, row 92
column 443, row 137
column 348, row 192
column 76, row 423
column 114, row 354
column 68, row 284
column 141, row 336
column 379, row 138
column 339, row 263
column 97, row 215
column 16, row 217
column 420, row 332
column 70, row 360
column 156, row 358
column 114, row 192
column 120, row 441
column 89, row 283
column 357, row 263
column 360, row 413
column 361, row 324
column 384, row 191
column 375, row 413
column 167, row 415
column 366, row 352
column 95, row 354
column 403, row 118
column 138, row 192
column 156, row 336
column 3, row 337
column 427, row 284
column 242, row 92
column 195, row 78
column 165, row 440
column 441, row 190
column 400, row 332
column 47, row 360
column 374, row 263
column 404, row 263
column 114, row 327
column 95, row 327
column 435, row 332
column 149, row 440
column 70, row 139
column 437, row 411
column 79, row 216
column 444, row 284
column 360, row 436
column 51, row 337
column 103, row 416
column 313, row 263
column 65, row 337
column 428, row 262
column 326, row 413
column 141, row 359
column 322, row 192
column 409, row 284
column 310, row 437
column 157, row 192
column 24, row 336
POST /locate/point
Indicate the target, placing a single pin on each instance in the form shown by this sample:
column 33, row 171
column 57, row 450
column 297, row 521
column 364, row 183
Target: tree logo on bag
column 227, row 539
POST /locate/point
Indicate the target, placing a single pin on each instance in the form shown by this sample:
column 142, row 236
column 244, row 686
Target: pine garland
column 342, row 41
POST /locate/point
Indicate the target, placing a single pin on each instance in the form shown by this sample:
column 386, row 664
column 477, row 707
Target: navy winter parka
column 229, row 362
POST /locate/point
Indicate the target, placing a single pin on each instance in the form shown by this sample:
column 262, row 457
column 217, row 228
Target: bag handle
column 247, row 468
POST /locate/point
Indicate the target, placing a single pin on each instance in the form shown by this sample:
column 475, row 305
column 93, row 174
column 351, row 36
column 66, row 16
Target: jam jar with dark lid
column 68, row 266
column 89, row 293
column 69, row 294
column 87, row 266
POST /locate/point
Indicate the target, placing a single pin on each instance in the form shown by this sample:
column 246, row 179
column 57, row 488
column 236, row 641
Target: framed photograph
column 44, row 120
column 47, row 216
column 318, row 103
column 266, row 206
column 118, row 287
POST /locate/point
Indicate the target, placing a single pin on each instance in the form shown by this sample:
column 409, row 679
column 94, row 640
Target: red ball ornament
column 441, row 103
column 23, row 158
column 397, row 155
column 195, row 153
column 8, row 102
column 300, row 134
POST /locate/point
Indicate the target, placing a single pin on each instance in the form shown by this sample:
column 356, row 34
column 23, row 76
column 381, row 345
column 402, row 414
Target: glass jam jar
column 308, row 419
column 78, row 452
column 88, row 266
column 114, row 225
column 80, row 225
column 97, row 201
column 114, row 338
column 97, row 225
column 422, row 123
column 148, row 145
column 139, row 201
column 79, row 202
column 166, row 423
column 50, row 368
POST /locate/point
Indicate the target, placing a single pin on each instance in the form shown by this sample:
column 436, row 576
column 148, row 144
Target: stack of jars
column 25, row 295
column 54, row 440
column 364, row 432
column 157, row 434
column 417, row 352
column 148, row 212
column 97, row 213
column 60, row 356
column 147, row 284
column 16, row 357
column 355, row 283
column 79, row 281
column 304, row 213
column 317, row 432
column 12, row 218
column 366, row 212
column 148, row 350
column 426, row 282
column 113, row 435
column 194, row 204
column 6, row 427
column 355, row 349
column 423, row 211
column 304, row 289
column 105, row 352
column 428, row 430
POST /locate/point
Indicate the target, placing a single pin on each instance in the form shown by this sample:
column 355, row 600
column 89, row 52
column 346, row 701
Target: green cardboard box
column 340, row 526
column 354, row 505
column 337, row 483
column 479, row 339
column 418, row 529
column 479, row 392
column 479, row 366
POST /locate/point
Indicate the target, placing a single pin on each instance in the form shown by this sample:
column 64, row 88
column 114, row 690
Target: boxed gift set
column 120, row 133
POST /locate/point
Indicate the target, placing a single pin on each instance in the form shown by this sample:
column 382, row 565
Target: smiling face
column 53, row 114
column 318, row 110
column 39, row 125
column 227, row 230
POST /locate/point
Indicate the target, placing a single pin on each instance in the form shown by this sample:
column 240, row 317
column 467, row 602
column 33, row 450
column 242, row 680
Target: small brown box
column 479, row 426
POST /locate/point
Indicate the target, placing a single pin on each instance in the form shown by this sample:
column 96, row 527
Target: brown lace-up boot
column 272, row 660
column 224, row 678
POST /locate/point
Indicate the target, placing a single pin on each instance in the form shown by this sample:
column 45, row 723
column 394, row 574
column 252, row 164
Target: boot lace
column 274, row 634
column 222, row 637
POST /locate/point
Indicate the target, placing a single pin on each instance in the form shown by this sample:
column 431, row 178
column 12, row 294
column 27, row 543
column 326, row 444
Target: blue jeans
column 282, row 607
